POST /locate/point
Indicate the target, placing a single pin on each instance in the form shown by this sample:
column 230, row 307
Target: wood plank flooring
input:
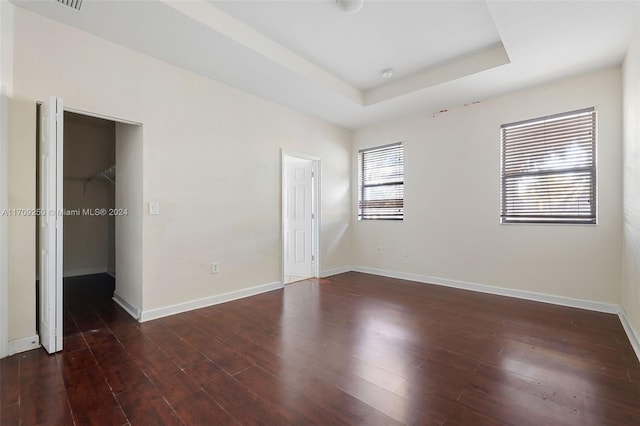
column 350, row 349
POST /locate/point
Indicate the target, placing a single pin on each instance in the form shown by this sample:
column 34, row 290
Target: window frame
column 362, row 186
column 589, row 170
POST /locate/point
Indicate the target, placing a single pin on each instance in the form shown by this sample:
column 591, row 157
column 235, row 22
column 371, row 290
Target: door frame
column 59, row 249
column 316, row 210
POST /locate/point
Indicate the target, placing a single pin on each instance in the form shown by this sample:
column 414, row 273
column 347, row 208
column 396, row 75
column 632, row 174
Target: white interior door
column 298, row 230
column 51, row 143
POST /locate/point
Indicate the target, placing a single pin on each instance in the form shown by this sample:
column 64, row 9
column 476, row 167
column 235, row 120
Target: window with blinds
column 381, row 183
column 549, row 169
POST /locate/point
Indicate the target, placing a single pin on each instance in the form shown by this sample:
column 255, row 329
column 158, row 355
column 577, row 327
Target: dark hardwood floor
column 351, row 349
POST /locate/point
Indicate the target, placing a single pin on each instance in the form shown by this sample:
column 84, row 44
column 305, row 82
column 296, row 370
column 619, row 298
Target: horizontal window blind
column 381, row 183
column 549, row 169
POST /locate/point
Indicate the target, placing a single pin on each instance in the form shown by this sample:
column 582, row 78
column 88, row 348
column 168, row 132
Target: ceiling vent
column 76, row 4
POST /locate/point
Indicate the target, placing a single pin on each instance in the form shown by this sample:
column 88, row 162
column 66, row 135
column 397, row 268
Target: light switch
column 154, row 208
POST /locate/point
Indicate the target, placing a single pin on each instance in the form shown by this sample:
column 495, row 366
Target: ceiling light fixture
column 350, row 7
column 388, row 73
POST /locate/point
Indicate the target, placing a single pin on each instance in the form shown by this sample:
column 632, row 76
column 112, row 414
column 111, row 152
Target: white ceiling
column 406, row 36
column 311, row 56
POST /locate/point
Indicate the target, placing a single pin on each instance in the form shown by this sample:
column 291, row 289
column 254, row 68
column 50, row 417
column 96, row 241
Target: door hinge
column 313, row 257
column 313, row 173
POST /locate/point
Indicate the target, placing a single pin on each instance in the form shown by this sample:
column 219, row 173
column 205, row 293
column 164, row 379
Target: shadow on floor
column 88, row 290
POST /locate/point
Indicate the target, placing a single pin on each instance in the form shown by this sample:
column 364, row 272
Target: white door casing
column 50, row 224
column 312, row 204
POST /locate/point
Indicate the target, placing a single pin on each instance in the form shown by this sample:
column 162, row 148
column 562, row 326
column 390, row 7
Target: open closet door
column 51, row 143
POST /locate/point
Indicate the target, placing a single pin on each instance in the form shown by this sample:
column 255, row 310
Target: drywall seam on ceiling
column 225, row 24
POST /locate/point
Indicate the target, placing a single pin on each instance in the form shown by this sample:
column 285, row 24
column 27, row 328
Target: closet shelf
column 108, row 174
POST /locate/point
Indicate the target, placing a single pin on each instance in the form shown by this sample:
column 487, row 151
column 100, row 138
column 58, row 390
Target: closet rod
column 108, row 174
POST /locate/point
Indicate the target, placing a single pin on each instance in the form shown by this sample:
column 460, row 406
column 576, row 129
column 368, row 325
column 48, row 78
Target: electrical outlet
column 215, row 268
column 405, row 252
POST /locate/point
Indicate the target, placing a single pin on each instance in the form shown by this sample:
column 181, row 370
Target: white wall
column 4, row 223
column 6, row 76
column 6, row 45
column 631, row 182
column 22, row 229
column 128, row 228
column 452, row 187
column 211, row 159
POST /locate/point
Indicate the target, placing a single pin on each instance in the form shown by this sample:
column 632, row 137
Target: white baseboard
column 131, row 310
column 156, row 313
column 24, row 344
column 501, row 291
column 631, row 333
column 85, row 271
column 610, row 308
column 335, row 271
